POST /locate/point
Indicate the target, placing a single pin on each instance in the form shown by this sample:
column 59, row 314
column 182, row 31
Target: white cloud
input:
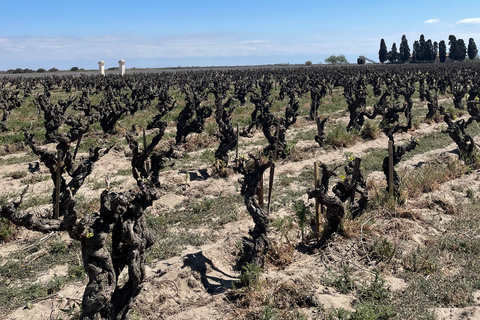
column 432, row 21
column 469, row 21
column 36, row 52
column 187, row 45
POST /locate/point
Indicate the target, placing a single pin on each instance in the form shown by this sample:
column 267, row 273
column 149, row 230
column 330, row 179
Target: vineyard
column 347, row 192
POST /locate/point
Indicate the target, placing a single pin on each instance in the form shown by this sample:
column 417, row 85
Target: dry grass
column 429, row 177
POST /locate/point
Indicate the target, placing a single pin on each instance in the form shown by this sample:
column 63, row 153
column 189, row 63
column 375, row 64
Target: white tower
column 101, row 67
column 121, row 66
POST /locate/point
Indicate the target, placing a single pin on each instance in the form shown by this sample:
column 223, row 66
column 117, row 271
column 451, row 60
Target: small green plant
column 302, row 213
column 420, row 261
column 283, row 225
column 370, row 131
column 7, row 229
column 16, row 175
column 470, row 195
column 375, row 291
column 58, row 247
column 207, row 156
column 269, row 313
column 76, row 271
column 343, row 282
column 251, row 275
column 339, row 137
column 383, row 250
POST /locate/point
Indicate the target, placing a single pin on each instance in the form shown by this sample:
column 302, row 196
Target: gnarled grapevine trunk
column 256, row 248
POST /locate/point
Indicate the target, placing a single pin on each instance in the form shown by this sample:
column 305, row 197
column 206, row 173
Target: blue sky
column 63, row 34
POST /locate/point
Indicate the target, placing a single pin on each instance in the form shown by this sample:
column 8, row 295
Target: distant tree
column 416, row 53
column 423, row 53
column 308, row 63
column 331, row 60
column 428, row 54
column 435, row 50
column 393, row 54
column 472, row 49
column 41, row 70
column 382, row 53
column 74, row 69
column 461, row 50
column 452, row 52
column 404, row 50
column 52, row 70
column 442, row 51
column 18, row 70
column 340, row 59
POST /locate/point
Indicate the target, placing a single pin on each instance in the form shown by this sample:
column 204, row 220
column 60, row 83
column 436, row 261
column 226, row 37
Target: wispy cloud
column 469, row 21
column 432, row 21
column 103, row 47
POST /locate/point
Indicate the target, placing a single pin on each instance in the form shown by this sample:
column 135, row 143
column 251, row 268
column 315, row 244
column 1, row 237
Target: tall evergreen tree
column 452, row 42
column 442, row 51
column 429, row 54
column 472, row 49
column 461, row 50
column 382, row 53
column 416, row 53
column 392, row 55
column 404, row 49
column 435, row 49
column 423, row 53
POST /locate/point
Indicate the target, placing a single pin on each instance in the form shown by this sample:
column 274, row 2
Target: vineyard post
column 77, row 146
column 318, row 208
column 56, row 214
column 260, row 192
column 319, row 125
column 356, row 173
column 272, row 168
column 390, row 168
column 236, row 151
column 145, row 153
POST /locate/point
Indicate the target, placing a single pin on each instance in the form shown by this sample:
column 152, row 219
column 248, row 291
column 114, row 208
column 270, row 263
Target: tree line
column 427, row 51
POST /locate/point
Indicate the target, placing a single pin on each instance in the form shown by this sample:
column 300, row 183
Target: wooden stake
column 236, row 153
column 356, row 173
column 145, row 153
column 78, row 146
column 260, row 192
column 319, row 126
column 277, row 136
column 318, row 207
column 390, row 168
column 56, row 214
column 270, row 186
column 272, row 168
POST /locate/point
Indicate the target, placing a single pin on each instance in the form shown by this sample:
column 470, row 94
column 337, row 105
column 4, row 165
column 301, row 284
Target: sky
column 149, row 34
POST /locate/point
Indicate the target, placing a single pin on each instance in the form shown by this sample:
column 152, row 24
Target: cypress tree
column 416, row 54
column 382, row 53
column 461, row 50
column 423, row 53
column 442, row 51
column 392, row 56
column 472, row 49
column 452, row 52
column 404, row 49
